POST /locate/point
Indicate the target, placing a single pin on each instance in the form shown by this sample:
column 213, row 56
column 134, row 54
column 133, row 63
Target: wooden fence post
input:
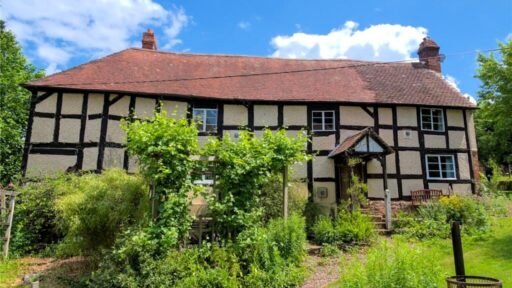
column 9, row 208
column 285, row 193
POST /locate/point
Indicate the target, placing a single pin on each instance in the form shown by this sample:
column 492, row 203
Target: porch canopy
column 367, row 145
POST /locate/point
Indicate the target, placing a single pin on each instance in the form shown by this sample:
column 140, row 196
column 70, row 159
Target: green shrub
column 346, row 228
column 96, row 207
column 283, row 277
column 272, row 198
column 312, row 213
column 35, row 225
column 209, row 266
column 289, row 237
column 433, row 219
column 261, row 257
column 413, row 226
column 323, row 231
column 392, row 265
column 505, row 184
column 495, row 205
column 329, row 250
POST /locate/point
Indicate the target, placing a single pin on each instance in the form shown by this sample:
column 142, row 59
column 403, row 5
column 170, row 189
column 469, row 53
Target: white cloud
column 52, row 69
column 179, row 20
column 60, row 30
column 382, row 42
column 455, row 84
column 244, row 25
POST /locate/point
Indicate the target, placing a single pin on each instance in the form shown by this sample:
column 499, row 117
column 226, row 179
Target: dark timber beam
column 28, row 135
column 397, row 153
column 365, row 109
column 103, row 135
column 83, row 122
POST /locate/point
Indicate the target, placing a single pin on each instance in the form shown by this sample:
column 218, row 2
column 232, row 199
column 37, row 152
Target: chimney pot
column 149, row 40
column 429, row 54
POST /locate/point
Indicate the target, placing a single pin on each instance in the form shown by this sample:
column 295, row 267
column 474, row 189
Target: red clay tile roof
column 256, row 78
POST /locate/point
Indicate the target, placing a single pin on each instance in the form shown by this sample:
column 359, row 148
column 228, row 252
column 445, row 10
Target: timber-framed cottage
column 400, row 118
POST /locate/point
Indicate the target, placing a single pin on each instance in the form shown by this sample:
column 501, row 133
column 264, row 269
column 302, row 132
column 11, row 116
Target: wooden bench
column 423, row 196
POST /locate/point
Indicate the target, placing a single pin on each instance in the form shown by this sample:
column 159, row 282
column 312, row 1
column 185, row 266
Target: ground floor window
column 440, row 166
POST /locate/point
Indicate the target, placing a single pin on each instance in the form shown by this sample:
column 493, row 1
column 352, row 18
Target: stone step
column 383, row 231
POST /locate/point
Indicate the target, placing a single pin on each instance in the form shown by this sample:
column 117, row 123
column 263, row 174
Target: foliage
column 14, row 104
column 261, row 257
column 493, row 119
column 433, row 219
column 94, row 208
column 393, row 265
column 346, row 228
column 272, row 200
column 491, row 185
column 271, row 256
column 133, row 264
column 357, row 189
column 329, row 250
column 164, row 147
column 35, row 222
column 312, row 213
column 242, row 169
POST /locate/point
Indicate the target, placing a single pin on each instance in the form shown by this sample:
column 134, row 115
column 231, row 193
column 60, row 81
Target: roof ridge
column 252, row 56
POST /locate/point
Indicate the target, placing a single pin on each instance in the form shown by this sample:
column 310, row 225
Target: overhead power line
column 272, row 73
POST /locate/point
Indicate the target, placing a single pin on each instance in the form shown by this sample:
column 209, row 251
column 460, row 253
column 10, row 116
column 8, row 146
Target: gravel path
column 325, row 271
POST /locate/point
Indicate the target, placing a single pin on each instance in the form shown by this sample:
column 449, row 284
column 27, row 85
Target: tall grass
column 391, row 265
column 346, row 228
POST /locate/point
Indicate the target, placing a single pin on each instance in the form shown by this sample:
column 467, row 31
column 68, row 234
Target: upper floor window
column 432, row 119
column 206, row 178
column 206, row 119
column 440, row 167
column 323, row 120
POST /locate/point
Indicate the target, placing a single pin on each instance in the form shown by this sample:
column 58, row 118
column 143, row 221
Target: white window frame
column 430, row 110
column 323, row 120
column 438, row 156
column 202, row 125
column 204, row 180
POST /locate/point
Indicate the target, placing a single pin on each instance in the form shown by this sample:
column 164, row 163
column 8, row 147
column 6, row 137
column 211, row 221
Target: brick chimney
column 149, row 40
column 429, row 54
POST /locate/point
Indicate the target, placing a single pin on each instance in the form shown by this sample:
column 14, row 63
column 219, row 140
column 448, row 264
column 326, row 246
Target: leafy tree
column 242, row 168
column 164, row 148
column 286, row 151
column 14, row 103
column 493, row 119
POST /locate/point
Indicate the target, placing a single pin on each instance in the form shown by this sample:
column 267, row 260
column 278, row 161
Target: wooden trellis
column 7, row 203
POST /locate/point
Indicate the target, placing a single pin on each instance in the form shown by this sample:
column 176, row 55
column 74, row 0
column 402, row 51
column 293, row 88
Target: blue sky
column 368, row 30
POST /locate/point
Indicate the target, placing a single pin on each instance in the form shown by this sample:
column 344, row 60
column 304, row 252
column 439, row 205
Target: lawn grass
column 9, row 270
column 490, row 256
